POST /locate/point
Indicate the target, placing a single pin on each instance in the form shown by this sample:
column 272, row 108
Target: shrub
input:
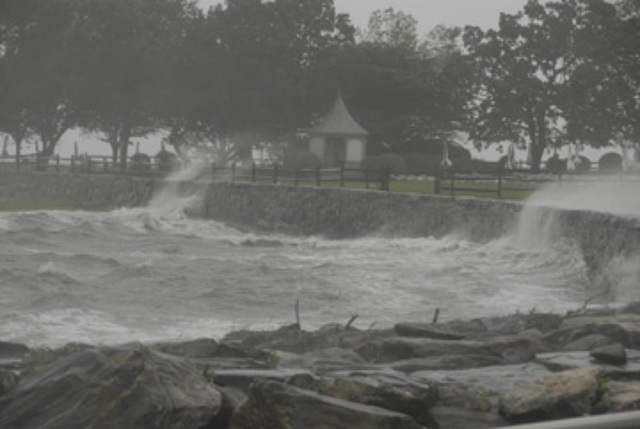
column 584, row 165
column 166, row 160
column 141, row 161
column 610, row 162
column 304, row 160
column 556, row 165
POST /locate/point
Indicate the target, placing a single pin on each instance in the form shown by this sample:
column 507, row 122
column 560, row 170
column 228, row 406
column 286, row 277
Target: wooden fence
column 500, row 181
column 150, row 167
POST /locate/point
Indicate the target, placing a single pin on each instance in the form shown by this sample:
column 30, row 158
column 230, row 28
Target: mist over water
column 153, row 274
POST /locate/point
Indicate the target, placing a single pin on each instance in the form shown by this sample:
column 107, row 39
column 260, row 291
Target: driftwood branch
column 348, row 325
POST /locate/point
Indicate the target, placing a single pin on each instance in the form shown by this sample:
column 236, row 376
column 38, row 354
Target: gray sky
column 429, row 13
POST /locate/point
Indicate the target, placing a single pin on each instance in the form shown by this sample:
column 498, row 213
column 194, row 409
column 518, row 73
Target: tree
column 120, row 45
column 391, row 27
column 544, row 77
column 35, row 38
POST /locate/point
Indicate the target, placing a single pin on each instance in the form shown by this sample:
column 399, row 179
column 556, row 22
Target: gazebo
column 338, row 139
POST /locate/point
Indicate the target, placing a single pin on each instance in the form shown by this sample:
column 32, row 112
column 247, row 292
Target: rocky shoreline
column 481, row 373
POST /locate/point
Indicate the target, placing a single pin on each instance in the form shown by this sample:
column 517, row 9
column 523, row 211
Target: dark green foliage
column 303, row 160
column 584, row 165
column 391, row 161
column 166, row 160
column 556, row 165
column 610, row 162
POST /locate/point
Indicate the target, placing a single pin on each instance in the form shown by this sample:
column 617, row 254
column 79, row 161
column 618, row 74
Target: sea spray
column 613, row 277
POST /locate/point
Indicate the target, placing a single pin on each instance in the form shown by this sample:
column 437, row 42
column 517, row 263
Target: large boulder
column 620, row 397
column 382, row 388
column 561, row 395
column 274, row 405
column 480, row 389
column 105, row 388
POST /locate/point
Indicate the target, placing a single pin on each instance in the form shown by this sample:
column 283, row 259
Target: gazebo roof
column 339, row 122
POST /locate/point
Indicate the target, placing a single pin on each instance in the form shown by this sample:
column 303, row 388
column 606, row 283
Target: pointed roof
column 339, row 122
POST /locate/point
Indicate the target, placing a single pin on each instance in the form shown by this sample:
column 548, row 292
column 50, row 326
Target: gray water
column 150, row 274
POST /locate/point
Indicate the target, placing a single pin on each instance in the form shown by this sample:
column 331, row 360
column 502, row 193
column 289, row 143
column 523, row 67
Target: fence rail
column 499, row 181
column 150, row 167
column 628, row 420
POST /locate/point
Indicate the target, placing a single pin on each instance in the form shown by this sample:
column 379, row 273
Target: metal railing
column 628, row 420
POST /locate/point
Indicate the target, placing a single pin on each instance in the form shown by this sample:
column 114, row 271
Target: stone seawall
column 84, row 191
column 342, row 213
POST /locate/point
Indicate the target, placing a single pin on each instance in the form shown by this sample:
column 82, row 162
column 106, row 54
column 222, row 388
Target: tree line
column 247, row 73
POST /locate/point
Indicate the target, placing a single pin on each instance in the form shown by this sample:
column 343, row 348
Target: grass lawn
column 23, row 206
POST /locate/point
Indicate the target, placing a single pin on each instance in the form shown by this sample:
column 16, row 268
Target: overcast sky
column 484, row 13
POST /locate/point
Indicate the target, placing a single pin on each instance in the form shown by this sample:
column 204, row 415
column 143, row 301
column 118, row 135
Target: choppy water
column 152, row 274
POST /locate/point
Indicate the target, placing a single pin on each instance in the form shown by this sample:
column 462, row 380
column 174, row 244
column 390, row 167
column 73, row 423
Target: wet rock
column 13, row 350
column 397, row 349
column 292, row 339
column 582, row 359
column 210, row 348
column 383, row 388
column 243, row 378
column 323, row 360
column 12, row 364
column 448, row 362
column 456, row 418
column 480, row 389
column 613, row 354
column 561, row 395
column 620, row 397
column 128, row 387
column 232, row 400
column 199, row 348
column 516, row 349
column 424, row 330
column 623, row 328
column 8, row 380
column 273, row 405
column 39, row 359
column 589, row 342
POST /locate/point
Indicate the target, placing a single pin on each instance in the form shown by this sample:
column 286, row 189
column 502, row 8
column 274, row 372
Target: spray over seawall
column 602, row 219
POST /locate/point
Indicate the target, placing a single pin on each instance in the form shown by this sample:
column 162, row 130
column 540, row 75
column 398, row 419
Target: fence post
column 253, row 172
column 18, row 156
column 366, row 177
column 275, row 174
column 57, row 163
column 453, row 182
column 88, row 165
column 499, row 183
column 342, row 175
column 73, row 164
column 318, row 177
column 436, row 182
column 104, row 164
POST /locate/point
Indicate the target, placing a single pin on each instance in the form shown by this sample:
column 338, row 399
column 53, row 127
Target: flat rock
column 589, row 342
column 613, row 354
column 243, row 378
column 620, row 397
column 447, row 362
column 397, row 349
column 480, row 389
column 382, row 388
column 8, row 380
column 13, row 350
column 425, row 330
column 456, row 418
column 273, row 405
column 124, row 388
column 324, row 360
column 582, row 359
column 561, row 395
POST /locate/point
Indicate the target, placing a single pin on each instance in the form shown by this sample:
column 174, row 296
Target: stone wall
column 84, row 191
column 342, row 213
